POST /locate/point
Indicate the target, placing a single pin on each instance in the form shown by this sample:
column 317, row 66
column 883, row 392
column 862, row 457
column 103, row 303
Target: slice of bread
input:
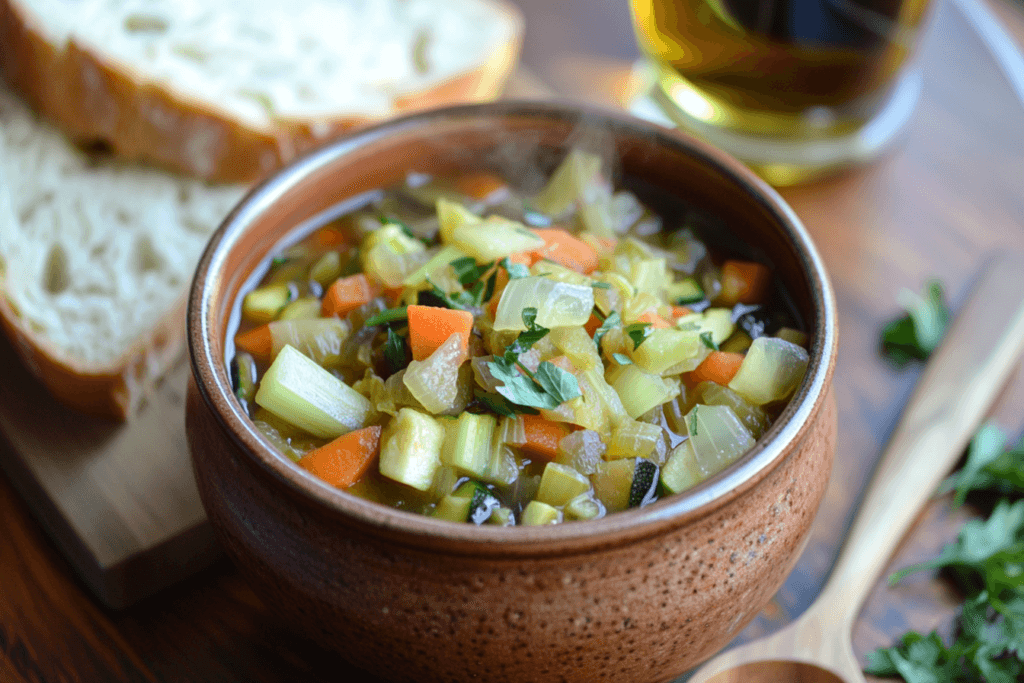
column 95, row 258
column 228, row 90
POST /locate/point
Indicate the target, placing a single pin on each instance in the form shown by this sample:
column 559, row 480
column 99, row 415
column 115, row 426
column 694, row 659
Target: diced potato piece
column 640, row 391
column 262, row 305
column 540, row 514
column 327, row 269
column 494, row 238
column 559, row 484
column 452, row 215
column 577, row 345
column 410, row 450
column 793, row 336
column 558, row 304
column 613, row 482
column 301, row 392
column 650, row 276
column 434, row 382
column 681, row 471
column 718, row 437
column 771, row 370
column 717, row 321
column 306, row 308
column 454, row 508
column 634, row 440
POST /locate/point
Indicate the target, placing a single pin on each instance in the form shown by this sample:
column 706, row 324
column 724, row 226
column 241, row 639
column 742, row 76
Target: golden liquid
column 790, row 69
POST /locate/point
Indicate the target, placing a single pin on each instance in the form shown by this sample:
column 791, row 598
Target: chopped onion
column 558, row 304
column 718, row 437
column 434, row 382
column 771, row 370
column 581, row 450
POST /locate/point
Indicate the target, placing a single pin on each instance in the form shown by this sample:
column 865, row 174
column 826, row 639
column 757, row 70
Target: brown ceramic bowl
column 641, row 595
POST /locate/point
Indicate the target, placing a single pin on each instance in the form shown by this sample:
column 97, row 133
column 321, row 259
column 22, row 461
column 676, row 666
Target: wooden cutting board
column 119, row 500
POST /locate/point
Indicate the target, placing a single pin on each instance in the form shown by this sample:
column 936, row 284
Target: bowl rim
column 214, row 385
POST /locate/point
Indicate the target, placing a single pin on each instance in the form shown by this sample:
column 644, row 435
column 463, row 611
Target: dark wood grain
column 949, row 196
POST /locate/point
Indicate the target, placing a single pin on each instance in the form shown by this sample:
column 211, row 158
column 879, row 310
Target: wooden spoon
column 955, row 391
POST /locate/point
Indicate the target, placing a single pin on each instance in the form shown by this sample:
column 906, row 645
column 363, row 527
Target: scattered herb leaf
column 987, row 445
column 709, row 340
column 387, row 316
column 622, row 359
column 279, row 261
column 514, row 270
column 693, row 421
column 612, row 321
column 915, row 335
column 638, row 332
column 459, row 301
column 501, row 405
column 601, row 285
column 395, row 352
column 558, row 383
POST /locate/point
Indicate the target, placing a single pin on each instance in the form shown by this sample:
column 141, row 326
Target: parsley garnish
column 279, row 261
column 709, row 341
column 601, row 285
column 915, row 335
column 613, row 320
column 395, row 352
column 514, row 270
column 467, row 271
column 459, row 300
column 987, row 560
column 501, row 405
column 387, row 316
column 548, row 387
column 638, row 332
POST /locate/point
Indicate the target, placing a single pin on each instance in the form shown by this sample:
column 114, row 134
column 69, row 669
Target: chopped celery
column 445, row 478
column 633, row 440
column 410, row 449
column 389, row 255
column 613, row 482
column 681, row 471
column 442, row 258
column 306, row 308
column 301, row 392
column 320, row 339
column 584, row 506
column 452, row 215
column 494, row 239
column 434, row 381
column 770, row 371
column 718, row 437
column 559, row 484
column 540, row 514
column 262, row 305
column 577, row 346
column 717, row 321
column 470, row 449
column 512, row 430
column 640, row 391
column 558, row 304
column 503, row 468
column 668, row 348
column 581, row 450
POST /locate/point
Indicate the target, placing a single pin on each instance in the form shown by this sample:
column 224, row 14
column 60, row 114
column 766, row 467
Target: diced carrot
column 592, row 324
column 430, row 326
column 719, row 367
column 347, row 294
column 744, row 282
column 479, row 185
column 326, row 238
column 258, row 342
column 566, row 249
column 392, row 294
column 656, row 321
column 345, row 460
column 680, row 311
column 542, row 436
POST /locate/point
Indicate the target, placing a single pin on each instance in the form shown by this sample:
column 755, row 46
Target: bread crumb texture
column 263, row 61
column 92, row 252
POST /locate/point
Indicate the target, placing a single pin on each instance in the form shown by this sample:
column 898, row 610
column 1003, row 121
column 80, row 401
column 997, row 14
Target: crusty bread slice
column 227, row 90
column 95, row 258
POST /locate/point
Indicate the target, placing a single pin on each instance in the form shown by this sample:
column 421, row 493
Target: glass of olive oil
column 795, row 88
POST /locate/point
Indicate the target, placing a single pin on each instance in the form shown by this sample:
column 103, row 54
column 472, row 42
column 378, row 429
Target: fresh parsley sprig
column 915, row 335
column 612, row 321
column 638, row 332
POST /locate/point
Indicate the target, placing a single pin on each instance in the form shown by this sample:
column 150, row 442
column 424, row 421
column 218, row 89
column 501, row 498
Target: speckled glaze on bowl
column 642, row 595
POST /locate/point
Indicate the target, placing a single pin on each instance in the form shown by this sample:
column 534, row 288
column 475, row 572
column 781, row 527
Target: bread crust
column 113, row 390
column 95, row 99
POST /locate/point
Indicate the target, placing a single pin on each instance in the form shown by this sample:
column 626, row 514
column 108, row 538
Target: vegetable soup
column 462, row 348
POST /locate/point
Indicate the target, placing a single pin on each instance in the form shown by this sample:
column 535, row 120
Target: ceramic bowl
column 641, row 595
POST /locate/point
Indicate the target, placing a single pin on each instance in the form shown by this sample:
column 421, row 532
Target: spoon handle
column 958, row 386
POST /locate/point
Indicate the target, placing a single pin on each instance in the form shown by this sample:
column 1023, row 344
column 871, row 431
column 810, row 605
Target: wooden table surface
column 950, row 195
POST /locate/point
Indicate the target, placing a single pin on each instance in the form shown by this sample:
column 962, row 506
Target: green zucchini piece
column 262, row 305
column 482, row 501
column 243, row 377
column 613, row 482
column 644, row 489
column 682, row 470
